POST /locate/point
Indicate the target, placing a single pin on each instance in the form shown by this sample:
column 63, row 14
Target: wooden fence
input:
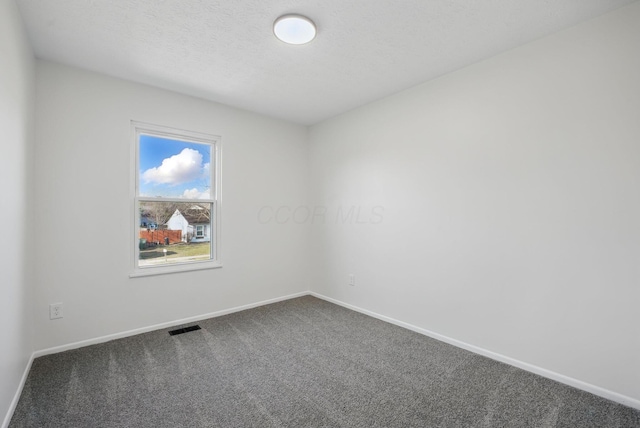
column 157, row 237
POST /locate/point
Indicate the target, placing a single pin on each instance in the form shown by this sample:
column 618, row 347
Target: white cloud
column 178, row 169
column 195, row 194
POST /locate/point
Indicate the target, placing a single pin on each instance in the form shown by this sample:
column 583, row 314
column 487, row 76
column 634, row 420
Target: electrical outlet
column 352, row 279
column 55, row 311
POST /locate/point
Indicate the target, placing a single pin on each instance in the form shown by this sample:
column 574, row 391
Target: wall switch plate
column 55, row 311
column 352, row 279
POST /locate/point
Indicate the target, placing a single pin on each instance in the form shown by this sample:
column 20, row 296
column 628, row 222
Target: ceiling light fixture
column 294, row 29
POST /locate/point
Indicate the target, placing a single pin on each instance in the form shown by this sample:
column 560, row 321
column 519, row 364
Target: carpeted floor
column 299, row 363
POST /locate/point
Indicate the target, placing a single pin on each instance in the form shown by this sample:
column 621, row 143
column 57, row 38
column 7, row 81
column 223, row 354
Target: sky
column 174, row 168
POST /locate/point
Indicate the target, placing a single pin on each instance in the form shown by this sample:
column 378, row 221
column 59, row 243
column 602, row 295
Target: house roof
column 197, row 214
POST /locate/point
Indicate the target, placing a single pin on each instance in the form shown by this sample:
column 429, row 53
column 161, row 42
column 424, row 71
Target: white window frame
column 199, row 231
column 139, row 128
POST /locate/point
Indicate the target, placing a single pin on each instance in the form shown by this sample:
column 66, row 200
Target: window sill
column 165, row 270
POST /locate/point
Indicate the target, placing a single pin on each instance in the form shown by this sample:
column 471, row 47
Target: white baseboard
column 596, row 390
column 147, row 329
column 16, row 397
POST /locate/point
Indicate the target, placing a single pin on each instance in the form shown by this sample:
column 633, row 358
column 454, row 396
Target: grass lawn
column 199, row 250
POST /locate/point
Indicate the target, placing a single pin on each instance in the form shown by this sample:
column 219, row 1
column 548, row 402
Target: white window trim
column 216, row 231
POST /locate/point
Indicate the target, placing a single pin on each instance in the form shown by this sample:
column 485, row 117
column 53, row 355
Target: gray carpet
column 299, row 363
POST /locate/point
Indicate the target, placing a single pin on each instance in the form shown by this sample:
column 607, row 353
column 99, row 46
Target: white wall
column 16, row 121
column 510, row 203
column 82, row 179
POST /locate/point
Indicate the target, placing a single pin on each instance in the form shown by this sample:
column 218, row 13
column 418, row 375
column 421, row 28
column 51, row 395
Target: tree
column 157, row 213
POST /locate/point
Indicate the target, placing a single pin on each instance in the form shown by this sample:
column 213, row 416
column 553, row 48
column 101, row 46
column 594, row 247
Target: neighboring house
column 194, row 223
column 147, row 223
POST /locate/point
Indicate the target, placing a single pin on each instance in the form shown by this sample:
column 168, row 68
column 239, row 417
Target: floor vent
column 184, row 330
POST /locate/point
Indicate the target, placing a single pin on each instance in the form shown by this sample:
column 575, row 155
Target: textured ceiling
column 225, row 51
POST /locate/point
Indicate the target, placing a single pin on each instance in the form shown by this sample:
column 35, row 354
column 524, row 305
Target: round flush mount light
column 294, row 29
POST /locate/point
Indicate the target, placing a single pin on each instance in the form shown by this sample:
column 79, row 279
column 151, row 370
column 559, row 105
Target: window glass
column 175, row 199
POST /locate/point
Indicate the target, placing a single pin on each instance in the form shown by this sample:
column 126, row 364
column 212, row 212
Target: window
column 176, row 200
